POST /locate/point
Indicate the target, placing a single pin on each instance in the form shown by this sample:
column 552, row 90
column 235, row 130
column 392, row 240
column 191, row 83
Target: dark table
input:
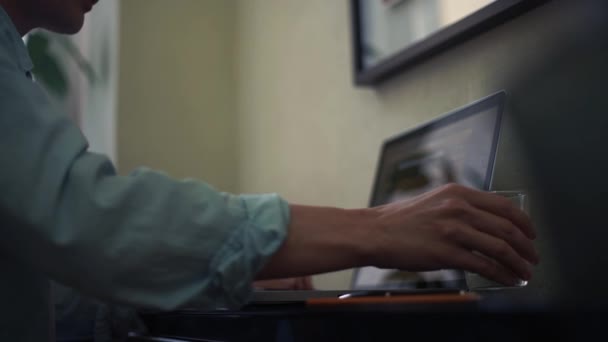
column 494, row 318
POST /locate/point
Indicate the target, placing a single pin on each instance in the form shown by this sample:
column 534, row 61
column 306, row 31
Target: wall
column 257, row 96
column 91, row 103
column 99, row 44
column 304, row 131
column 176, row 86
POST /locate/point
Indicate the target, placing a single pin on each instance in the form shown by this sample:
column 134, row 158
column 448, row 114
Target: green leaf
column 49, row 72
column 82, row 63
column 37, row 44
column 47, row 69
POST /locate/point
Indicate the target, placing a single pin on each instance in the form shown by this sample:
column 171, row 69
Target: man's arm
column 141, row 240
column 149, row 240
column 450, row 227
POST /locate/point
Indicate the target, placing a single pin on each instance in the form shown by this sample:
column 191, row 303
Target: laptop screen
column 458, row 147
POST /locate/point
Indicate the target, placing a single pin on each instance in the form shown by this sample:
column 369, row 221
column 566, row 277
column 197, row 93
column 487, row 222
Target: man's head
column 62, row 16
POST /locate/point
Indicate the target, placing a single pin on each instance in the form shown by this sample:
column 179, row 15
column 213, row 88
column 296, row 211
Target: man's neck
column 20, row 21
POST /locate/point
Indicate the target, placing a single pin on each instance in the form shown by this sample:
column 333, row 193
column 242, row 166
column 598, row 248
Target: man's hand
column 296, row 283
column 451, row 227
column 456, row 227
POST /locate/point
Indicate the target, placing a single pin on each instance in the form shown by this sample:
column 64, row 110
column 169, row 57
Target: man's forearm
column 322, row 240
column 448, row 227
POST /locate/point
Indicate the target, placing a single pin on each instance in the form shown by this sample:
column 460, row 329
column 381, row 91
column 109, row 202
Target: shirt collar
column 19, row 49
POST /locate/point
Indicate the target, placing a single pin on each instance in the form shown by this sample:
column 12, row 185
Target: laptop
column 459, row 146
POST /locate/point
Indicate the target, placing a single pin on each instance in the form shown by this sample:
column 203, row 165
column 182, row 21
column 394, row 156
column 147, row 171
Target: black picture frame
column 482, row 20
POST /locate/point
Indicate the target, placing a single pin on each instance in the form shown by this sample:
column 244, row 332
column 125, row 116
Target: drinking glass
column 475, row 281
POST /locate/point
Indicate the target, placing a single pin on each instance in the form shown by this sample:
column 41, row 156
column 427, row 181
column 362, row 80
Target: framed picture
column 390, row 35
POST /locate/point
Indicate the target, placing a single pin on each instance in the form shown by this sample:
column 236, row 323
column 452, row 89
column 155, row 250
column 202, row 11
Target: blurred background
column 258, row 95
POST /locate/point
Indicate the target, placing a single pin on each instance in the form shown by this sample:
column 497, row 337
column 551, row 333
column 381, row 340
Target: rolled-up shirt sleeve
column 145, row 239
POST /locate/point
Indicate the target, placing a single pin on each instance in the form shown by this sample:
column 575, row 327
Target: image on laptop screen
column 458, row 147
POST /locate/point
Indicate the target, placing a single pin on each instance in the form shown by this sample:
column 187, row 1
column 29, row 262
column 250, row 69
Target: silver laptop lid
column 460, row 147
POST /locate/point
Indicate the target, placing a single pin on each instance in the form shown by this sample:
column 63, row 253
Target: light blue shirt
column 142, row 240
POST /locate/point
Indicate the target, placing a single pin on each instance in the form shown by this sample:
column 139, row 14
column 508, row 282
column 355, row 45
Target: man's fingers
column 461, row 258
column 492, row 247
column 504, row 207
column 495, row 204
column 308, row 283
column 504, row 230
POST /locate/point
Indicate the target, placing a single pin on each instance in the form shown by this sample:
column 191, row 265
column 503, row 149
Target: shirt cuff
column 250, row 246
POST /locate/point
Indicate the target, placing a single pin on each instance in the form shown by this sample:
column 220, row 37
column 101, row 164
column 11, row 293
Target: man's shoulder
column 13, row 52
column 14, row 83
column 11, row 71
column 7, row 56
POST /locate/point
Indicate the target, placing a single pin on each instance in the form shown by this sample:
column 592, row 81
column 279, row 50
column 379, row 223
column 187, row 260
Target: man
column 150, row 241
